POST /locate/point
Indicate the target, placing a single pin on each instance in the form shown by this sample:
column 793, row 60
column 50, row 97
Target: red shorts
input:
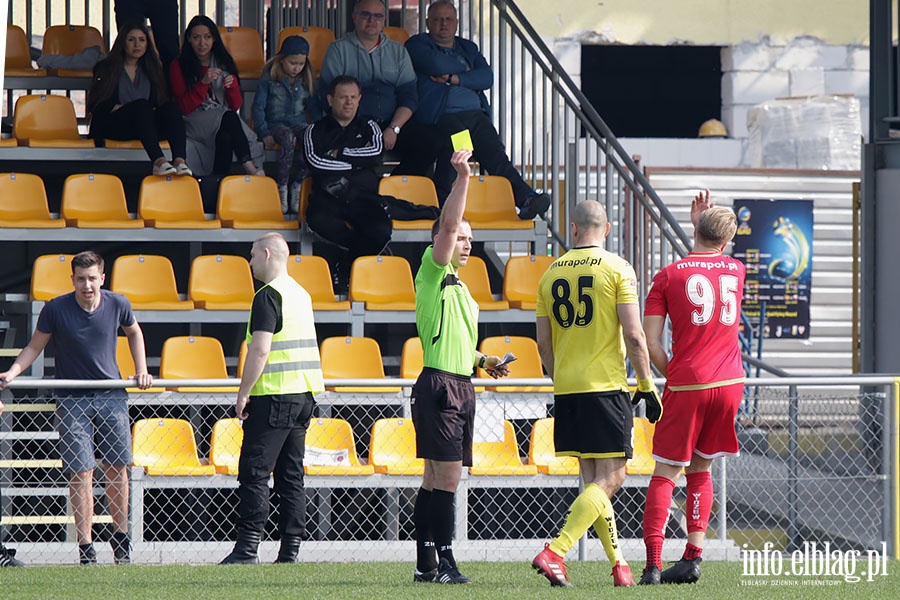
column 697, row 422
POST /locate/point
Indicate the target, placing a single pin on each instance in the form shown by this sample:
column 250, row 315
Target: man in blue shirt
column 84, row 325
column 451, row 76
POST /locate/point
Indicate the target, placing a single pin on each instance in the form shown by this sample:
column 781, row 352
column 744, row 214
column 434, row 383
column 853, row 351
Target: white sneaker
column 283, row 193
column 183, row 169
column 164, row 168
column 295, row 197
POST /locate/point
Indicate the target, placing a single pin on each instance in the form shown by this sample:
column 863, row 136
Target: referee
column 443, row 399
column 275, row 401
column 587, row 320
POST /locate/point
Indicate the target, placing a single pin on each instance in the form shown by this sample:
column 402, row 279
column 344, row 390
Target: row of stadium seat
column 343, row 357
column 167, row 447
column 97, row 201
column 243, row 43
column 225, row 282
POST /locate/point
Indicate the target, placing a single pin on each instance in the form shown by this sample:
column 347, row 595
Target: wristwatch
column 394, row 128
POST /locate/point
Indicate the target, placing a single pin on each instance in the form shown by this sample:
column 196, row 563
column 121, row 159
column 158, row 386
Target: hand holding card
column 462, row 141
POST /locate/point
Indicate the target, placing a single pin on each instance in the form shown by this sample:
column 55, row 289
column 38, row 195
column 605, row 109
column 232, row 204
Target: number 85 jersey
column 701, row 294
column 580, row 293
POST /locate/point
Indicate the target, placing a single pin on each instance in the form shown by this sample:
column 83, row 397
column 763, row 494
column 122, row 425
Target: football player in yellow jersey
column 588, row 320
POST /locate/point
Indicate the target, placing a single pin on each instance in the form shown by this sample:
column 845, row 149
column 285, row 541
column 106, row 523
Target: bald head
column 268, row 257
column 590, row 225
column 275, row 244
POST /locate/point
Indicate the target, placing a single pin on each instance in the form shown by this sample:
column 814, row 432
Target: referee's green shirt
column 446, row 317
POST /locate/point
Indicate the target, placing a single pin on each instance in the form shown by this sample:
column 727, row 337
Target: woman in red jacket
column 205, row 85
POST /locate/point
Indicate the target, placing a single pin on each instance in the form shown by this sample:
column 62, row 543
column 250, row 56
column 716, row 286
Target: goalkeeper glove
column 646, row 391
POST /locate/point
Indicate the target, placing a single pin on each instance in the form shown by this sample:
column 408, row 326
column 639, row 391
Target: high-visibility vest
column 293, row 365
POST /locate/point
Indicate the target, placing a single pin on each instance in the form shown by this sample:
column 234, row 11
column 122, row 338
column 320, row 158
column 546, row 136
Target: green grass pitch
column 393, row 581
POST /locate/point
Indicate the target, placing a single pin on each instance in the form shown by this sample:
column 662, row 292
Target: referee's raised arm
column 453, row 209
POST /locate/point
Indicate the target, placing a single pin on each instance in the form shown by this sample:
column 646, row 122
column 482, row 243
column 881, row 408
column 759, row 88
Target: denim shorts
column 93, row 423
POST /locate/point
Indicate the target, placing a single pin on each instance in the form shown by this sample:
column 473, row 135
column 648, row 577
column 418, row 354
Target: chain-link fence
column 817, row 464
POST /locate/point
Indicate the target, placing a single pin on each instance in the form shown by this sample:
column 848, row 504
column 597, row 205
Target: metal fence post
column 793, row 537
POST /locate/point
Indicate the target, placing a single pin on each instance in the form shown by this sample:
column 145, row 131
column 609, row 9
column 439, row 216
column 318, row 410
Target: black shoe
column 449, row 574
column 650, row 576
column 684, row 571
column 340, row 277
column 8, row 558
column 536, row 204
column 86, row 554
column 425, row 577
column 245, row 549
column 290, row 548
column 121, row 545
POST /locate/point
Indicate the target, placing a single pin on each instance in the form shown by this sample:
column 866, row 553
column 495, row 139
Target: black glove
column 653, row 407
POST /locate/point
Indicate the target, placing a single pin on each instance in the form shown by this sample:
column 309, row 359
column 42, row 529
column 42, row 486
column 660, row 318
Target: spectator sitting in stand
column 388, row 83
column 344, row 152
column 129, row 99
column 452, row 75
column 281, row 112
column 205, row 85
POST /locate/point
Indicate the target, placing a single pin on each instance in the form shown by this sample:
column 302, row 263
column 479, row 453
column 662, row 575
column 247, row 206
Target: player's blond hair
column 717, row 225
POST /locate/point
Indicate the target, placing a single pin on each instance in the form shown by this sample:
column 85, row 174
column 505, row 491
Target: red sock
column 691, row 552
column 656, row 513
column 699, row 500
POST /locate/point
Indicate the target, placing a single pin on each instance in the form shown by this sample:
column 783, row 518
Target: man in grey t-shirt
column 83, row 325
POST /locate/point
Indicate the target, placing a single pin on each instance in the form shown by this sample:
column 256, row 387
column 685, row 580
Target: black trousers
column 230, row 140
column 163, row 15
column 143, row 121
column 360, row 224
column 274, row 442
column 489, row 152
column 418, row 146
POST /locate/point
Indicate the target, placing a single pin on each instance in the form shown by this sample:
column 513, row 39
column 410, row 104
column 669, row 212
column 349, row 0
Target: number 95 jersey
column 701, row 294
column 579, row 293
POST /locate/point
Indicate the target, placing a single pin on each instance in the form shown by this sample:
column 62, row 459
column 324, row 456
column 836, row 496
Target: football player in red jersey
column 701, row 295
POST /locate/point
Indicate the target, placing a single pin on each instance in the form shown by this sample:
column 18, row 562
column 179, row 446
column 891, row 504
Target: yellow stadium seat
column 167, row 447
column 499, row 458
column 148, row 281
column 393, row 448
column 383, row 283
column 413, row 188
column 9, row 142
column 331, row 449
column 353, row 358
column 168, row 202
column 313, row 273
column 125, row 362
column 221, row 282
column 250, row 202
column 225, row 446
column 319, row 39
column 96, row 201
column 527, row 365
column 542, row 451
column 411, row 358
column 47, row 121
column 245, row 47
column 51, row 276
column 490, row 204
column 520, row 281
column 475, row 276
column 642, row 462
column 194, row 357
column 131, row 144
column 18, row 55
column 398, row 34
column 23, row 203
column 69, row 40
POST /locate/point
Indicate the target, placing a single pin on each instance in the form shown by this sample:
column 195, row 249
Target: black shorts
column 443, row 412
column 593, row 425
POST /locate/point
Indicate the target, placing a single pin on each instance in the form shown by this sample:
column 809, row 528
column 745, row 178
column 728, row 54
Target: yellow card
column 462, row 141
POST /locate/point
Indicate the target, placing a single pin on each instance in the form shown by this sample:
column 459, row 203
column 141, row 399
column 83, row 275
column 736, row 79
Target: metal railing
column 819, row 459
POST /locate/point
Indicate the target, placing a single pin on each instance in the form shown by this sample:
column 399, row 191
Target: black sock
column 441, row 522
column 426, row 560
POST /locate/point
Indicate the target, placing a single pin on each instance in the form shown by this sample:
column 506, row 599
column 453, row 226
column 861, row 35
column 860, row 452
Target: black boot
column 290, row 547
column 121, row 545
column 245, row 549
